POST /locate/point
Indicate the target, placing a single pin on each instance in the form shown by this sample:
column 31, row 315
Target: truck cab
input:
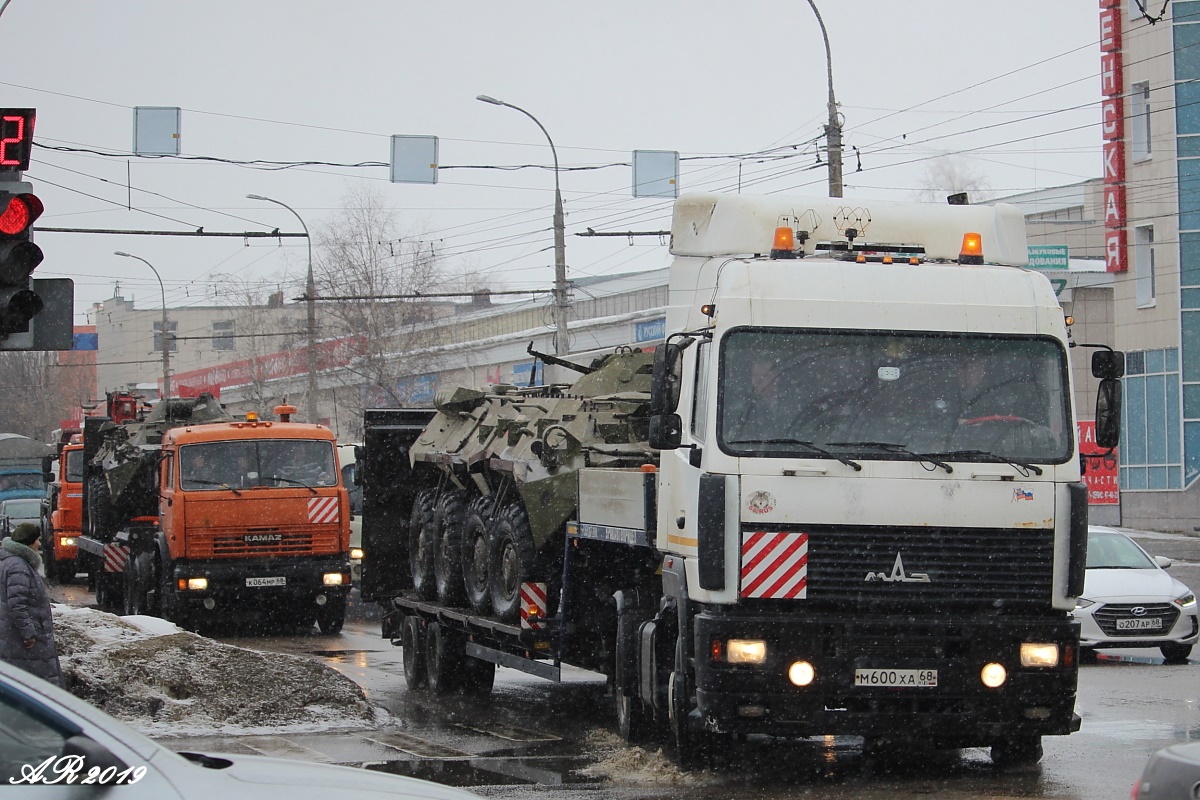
column 62, row 514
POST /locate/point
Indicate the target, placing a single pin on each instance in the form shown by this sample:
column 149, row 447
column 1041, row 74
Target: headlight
column 746, row 651
column 1185, row 601
column 1039, row 655
column 193, row 584
column 66, row 541
column 1083, row 602
column 333, row 579
column 993, row 675
column 356, row 554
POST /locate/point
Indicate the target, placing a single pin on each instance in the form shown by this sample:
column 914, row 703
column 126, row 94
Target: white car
column 1129, row 600
column 48, row 736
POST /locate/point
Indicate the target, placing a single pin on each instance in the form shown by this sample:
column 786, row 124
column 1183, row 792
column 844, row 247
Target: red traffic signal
column 18, row 255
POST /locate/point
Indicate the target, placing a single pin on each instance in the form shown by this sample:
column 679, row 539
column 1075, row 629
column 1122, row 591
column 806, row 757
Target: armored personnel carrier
column 496, row 473
column 121, row 457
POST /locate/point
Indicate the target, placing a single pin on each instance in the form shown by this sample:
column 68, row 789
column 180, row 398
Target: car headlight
column 1185, row 600
column 1083, row 602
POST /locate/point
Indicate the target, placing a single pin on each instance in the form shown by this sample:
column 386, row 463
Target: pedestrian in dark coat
column 26, row 621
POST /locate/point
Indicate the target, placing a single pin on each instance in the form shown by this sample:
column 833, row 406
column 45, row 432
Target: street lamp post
column 833, row 129
column 561, row 342
column 166, row 342
column 310, row 295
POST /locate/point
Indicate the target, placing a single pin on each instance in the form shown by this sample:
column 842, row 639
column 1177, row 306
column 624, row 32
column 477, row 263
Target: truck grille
column 216, row 543
column 916, row 567
column 1107, row 615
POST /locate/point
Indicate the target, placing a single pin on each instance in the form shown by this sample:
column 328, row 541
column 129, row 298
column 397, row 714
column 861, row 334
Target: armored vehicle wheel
column 413, row 643
column 100, row 516
column 331, row 616
column 422, row 540
column 478, row 676
column 511, row 562
column 448, row 555
column 445, row 651
column 476, row 546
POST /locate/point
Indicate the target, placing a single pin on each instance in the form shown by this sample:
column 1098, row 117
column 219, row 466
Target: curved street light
column 310, row 296
column 166, row 343
column 833, row 129
column 561, row 342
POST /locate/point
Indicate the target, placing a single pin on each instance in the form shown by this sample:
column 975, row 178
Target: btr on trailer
column 842, row 498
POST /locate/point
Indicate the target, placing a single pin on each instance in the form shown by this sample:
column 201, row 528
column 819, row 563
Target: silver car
column 1172, row 773
column 23, row 509
column 1129, row 600
column 51, row 743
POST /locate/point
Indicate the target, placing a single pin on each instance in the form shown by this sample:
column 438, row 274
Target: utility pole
column 833, row 128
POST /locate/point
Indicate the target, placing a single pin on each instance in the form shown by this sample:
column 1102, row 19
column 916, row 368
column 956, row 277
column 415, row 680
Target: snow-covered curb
column 166, row 681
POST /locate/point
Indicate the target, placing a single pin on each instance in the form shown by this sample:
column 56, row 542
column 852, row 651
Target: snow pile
column 631, row 764
column 165, row 681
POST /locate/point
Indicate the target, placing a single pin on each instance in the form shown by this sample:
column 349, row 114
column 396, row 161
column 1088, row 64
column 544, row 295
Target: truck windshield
column 893, row 395
column 75, row 466
column 251, row 464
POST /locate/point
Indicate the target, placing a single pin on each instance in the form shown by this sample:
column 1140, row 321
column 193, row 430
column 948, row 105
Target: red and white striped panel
column 533, row 606
column 322, row 509
column 775, row 565
column 115, row 556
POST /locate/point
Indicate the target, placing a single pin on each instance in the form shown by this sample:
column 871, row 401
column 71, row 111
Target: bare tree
column 38, row 395
column 947, row 175
column 361, row 253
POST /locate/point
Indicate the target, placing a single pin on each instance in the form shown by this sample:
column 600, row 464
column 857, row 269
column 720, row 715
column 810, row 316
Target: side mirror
column 1108, row 364
column 48, row 469
column 1108, row 412
column 667, row 380
column 666, row 431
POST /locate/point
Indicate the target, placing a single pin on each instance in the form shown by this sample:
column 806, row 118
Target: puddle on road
column 487, row 771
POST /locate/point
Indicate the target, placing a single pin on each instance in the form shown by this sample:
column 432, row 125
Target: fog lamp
column 801, row 673
column 1039, row 655
column 746, row 651
column 993, row 675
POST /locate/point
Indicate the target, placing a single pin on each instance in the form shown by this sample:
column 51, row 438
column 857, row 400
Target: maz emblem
column 898, row 574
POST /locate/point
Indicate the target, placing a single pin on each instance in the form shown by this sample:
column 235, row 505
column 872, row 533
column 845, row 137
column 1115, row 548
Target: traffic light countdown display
column 22, row 299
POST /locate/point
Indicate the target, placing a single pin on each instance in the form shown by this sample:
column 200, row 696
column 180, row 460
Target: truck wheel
column 132, row 600
column 476, row 548
column 64, row 571
column 511, row 561
column 478, row 676
column 1021, row 750
column 692, row 749
column 331, row 616
column 422, row 544
column 633, row 722
column 445, row 651
column 448, row 557
column 413, row 643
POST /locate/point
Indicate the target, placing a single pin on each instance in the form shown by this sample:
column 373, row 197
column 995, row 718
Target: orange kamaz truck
column 62, row 512
column 215, row 516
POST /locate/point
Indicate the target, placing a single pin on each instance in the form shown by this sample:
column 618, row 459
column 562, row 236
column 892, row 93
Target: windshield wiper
column 857, row 467
column 892, row 447
column 1021, row 465
column 212, row 483
column 288, row 480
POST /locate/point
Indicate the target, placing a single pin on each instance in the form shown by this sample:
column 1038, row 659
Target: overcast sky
column 1012, row 87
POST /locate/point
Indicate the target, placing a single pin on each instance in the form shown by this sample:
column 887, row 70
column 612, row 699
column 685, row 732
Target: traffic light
column 19, row 257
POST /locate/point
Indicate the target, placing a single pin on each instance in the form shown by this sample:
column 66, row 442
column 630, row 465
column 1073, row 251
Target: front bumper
column 958, row 712
column 1185, row 629
column 232, row 583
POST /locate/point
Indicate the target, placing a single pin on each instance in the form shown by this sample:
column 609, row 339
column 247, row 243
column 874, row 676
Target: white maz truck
column 850, row 503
